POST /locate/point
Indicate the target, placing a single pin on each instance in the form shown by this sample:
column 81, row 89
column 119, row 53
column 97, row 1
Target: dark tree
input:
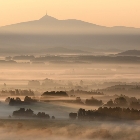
column 73, row 115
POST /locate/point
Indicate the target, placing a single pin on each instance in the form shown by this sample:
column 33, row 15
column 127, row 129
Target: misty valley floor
column 20, row 129
column 110, row 78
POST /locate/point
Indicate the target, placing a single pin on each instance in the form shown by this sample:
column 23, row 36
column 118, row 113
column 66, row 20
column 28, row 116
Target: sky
column 102, row 12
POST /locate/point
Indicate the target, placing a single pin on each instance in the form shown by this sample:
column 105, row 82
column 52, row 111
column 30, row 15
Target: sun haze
column 101, row 12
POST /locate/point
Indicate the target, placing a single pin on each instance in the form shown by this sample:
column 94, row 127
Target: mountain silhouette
column 48, row 25
column 48, row 18
column 130, row 53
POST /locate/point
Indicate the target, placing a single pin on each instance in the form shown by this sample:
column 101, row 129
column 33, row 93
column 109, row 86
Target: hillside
column 130, row 53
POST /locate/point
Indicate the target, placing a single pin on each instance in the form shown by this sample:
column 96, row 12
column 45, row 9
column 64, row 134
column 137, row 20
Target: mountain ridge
column 47, row 17
column 129, row 53
column 48, row 24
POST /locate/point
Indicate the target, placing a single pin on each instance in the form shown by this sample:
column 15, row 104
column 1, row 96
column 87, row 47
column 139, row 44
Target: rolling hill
column 130, row 53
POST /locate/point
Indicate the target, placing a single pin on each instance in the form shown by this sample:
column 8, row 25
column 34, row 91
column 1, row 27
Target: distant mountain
column 130, row 53
column 39, row 36
column 51, row 25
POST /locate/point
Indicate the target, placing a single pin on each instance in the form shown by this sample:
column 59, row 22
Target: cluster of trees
column 82, row 58
column 107, row 113
column 91, row 102
column 53, row 93
column 72, row 115
column 29, row 99
column 18, row 92
column 135, row 105
column 46, row 82
column 124, row 101
column 85, row 92
column 22, row 112
column 23, row 57
column 8, row 62
column 77, row 101
column 120, row 101
column 94, row 102
column 18, row 101
column 123, row 88
column 43, row 115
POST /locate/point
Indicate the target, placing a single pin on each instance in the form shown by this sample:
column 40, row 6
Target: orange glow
column 101, row 12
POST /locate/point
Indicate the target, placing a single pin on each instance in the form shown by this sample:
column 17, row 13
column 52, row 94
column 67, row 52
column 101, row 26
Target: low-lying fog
column 58, row 109
column 93, row 72
column 98, row 78
column 67, row 130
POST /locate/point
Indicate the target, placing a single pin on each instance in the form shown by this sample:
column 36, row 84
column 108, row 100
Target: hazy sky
column 102, row 12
